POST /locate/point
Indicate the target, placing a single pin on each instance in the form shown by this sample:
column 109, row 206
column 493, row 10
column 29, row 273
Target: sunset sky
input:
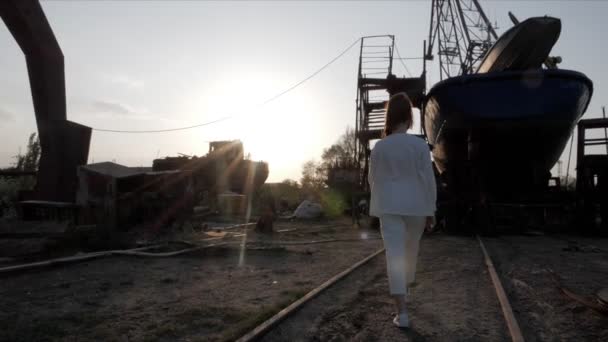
column 162, row 64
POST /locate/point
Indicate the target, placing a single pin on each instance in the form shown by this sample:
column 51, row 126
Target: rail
column 265, row 327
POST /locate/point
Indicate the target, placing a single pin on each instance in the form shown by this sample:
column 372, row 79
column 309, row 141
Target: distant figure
column 362, row 206
column 265, row 223
column 403, row 195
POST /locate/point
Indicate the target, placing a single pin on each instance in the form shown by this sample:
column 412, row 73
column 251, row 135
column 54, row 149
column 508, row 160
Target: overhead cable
column 269, row 100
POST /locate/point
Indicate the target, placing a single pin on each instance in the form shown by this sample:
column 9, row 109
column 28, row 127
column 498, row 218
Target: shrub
column 333, row 203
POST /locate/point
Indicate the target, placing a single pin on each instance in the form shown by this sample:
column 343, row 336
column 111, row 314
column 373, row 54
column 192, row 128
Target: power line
column 273, row 98
column 401, row 60
column 162, row 130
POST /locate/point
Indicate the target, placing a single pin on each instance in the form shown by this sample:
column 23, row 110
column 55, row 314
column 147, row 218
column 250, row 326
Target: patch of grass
column 333, row 203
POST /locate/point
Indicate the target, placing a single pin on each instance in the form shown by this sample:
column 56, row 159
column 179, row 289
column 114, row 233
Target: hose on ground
column 141, row 252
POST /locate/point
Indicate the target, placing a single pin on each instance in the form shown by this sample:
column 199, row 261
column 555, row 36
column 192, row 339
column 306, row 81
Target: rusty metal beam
column 64, row 144
column 28, row 25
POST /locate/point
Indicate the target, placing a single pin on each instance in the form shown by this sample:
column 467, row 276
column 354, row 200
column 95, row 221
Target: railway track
column 316, row 306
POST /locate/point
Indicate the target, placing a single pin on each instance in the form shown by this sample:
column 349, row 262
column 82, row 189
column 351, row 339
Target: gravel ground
column 543, row 312
column 453, row 301
column 216, row 294
column 221, row 293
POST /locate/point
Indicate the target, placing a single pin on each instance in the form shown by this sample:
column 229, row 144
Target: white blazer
column 401, row 177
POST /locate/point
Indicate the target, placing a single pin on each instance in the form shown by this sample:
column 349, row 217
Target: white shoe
column 402, row 320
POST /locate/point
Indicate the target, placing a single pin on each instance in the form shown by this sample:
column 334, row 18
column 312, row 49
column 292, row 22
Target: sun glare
column 265, row 129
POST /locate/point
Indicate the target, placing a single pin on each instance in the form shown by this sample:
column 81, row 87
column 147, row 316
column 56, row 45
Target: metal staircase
column 376, row 83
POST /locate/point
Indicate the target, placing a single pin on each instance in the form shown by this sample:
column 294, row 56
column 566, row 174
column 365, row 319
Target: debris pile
column 308, row 210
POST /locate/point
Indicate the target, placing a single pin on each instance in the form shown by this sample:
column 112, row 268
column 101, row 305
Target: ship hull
column 501, row 133
column 536, row 36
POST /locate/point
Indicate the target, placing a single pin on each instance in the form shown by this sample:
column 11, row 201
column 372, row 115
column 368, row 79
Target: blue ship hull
column 500, row 133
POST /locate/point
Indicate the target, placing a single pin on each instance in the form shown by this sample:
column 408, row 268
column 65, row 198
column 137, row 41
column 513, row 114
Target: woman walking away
column 403, row 196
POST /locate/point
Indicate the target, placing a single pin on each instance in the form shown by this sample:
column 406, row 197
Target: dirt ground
column 452, row 301
column 218, row 294
column 525, row 264
column 212, row 295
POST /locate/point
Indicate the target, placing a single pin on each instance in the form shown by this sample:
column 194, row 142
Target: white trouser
column 401, row 236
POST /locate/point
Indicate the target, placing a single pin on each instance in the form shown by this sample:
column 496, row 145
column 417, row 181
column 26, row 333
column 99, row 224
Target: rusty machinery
column 223, row 169
column 64, row 144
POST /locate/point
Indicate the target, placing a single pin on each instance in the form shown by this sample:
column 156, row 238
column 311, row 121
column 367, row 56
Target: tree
column 342, row 153
column 31, row 159
column 312, row 176
column 9, row 188
column 334, row 155
column 339, row 162
column 288, row 194
column 340, row 157
column 290, row 183
column 348, row 142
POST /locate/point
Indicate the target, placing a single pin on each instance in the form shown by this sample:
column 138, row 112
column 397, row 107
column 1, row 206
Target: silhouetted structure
column 498, row 121
column 221, row 174
column 375, row 84
column 592, row 176
column 64, row 144
column 463, row 35
column 118, row 196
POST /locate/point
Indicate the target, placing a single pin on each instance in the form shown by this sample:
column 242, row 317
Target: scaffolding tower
column 376, row 83
column 592, row 174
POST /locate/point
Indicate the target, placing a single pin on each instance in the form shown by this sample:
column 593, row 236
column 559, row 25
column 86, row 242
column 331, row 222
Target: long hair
column 398, row 111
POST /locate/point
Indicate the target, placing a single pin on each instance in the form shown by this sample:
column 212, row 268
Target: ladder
column 375, row 84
